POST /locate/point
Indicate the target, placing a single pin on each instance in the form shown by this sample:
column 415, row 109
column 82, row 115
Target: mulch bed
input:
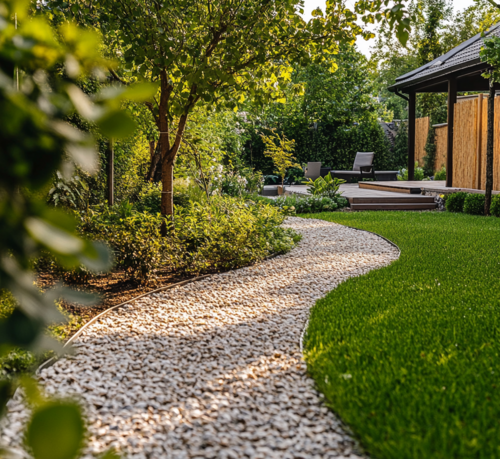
column 113, row 289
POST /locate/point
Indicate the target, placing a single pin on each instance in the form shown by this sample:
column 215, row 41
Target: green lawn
column 409, row 355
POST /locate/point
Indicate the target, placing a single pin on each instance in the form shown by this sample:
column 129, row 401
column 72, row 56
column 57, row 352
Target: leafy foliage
column 71, row 194
column 36, row 141
column 430, row 153
column 474, row 204
column 325, row 186
column 455, row 202
column 296, row 204
column 280, row 150
column 220, row 233
column 495, row 206
column 440, row 174
column 419, row 173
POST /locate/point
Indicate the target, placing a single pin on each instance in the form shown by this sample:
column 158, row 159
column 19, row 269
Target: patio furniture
column 313, row 171
column 362, row 168
column 270, row 190
column 324, row 171
column 386, row 176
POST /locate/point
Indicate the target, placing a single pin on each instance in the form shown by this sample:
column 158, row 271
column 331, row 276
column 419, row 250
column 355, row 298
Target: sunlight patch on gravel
column 213, row 369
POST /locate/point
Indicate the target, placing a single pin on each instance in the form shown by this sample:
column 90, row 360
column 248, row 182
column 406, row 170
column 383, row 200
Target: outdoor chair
column 313, row 171
column 362, row 168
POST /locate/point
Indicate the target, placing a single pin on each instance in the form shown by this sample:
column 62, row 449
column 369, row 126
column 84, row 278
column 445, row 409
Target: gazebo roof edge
column 445, row 64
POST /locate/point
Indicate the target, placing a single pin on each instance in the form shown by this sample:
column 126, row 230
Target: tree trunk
column 153, row 165
column 169, row 149
column 489, row 148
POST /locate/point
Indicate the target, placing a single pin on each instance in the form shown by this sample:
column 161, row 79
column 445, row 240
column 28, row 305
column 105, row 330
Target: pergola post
column 452, row 99
column 412, row 106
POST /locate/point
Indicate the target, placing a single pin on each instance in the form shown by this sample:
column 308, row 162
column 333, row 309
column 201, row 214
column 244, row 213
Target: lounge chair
column 362, row 168
column 313, row 171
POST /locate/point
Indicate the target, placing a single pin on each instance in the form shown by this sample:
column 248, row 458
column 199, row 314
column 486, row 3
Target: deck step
column 395, row 206
column 393, row 187
column 392, row 200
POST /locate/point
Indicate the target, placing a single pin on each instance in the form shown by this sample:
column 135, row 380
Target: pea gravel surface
column 214, row 369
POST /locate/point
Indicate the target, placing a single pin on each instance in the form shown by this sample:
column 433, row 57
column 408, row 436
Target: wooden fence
column 421, row 131
column 469, row 143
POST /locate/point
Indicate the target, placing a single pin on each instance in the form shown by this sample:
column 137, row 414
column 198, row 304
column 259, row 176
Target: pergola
column 459, row 70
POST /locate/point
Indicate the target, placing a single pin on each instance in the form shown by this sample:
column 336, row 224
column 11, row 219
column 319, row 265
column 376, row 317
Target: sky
column 364, row 46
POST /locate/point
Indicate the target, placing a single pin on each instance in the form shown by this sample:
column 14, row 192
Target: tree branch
column 495, row 4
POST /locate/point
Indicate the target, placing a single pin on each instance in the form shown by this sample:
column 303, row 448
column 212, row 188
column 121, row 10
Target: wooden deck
column 379, row 198
column 391, row 195
column 353, row 190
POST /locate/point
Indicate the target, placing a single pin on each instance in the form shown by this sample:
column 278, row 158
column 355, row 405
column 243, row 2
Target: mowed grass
column 409, row 355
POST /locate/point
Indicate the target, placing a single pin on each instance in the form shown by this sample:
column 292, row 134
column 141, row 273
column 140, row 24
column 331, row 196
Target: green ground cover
column 409, row 355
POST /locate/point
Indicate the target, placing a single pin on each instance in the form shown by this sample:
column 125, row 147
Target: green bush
column 149, row 198
column 440, row 174
column 419, row 173
column 455, row 202
column 138, row 247
column 296, row 204
column 325, row 186
column 227, row 233
column 474, row 204
column 222, row 233
column 495, row 205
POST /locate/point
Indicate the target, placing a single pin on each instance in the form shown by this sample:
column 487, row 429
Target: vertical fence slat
column 465, row 144
column 421, row 133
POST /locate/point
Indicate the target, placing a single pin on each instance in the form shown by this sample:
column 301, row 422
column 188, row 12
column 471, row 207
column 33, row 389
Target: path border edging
column 52, row 360
column 303, row 334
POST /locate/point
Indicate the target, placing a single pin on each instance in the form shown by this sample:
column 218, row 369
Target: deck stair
column 393, row 203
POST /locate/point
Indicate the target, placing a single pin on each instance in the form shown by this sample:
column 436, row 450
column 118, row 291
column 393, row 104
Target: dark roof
column 463, row 56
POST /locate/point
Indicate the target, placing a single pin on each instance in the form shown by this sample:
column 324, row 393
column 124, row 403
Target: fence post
column 479, row 148
column 411, row 135
column 452, row 99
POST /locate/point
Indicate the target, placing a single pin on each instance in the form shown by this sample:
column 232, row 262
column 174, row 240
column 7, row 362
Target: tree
column 490, row 53
column 219, row 52
column 280, row 150
column 424, row 45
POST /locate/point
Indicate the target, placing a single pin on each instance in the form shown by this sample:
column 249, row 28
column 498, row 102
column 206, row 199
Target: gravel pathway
column 213, row 369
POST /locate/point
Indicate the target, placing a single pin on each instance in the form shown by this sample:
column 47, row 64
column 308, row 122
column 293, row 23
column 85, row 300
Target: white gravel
column 213, row 369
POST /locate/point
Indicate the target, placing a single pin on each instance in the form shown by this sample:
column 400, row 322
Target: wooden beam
column 452, row 99
column 412, row 105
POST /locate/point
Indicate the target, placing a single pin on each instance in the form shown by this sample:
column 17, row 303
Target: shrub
column 222, row 233
column 440, row 174
column 227, row 233
column 149, row 199
column 325, row 186
column 455, row 202
column 134, row 237
column 495, row 205
column 419, row 173
column 309, row 204
column 474, row 204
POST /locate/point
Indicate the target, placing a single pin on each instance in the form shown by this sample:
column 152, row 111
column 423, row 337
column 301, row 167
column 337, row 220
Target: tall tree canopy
column 219, row 52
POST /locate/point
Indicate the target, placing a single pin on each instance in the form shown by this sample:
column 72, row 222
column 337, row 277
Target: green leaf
column 117, row 125
column 56, row 239
column 140, row 92
column 19, row 329
column 56, row 431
